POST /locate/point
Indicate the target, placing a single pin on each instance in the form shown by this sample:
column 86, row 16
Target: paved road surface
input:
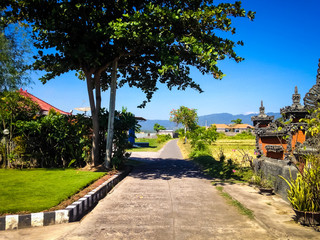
column 166, row 198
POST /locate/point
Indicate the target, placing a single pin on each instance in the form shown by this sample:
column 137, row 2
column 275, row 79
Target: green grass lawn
column 154, row 146
column 34, row 190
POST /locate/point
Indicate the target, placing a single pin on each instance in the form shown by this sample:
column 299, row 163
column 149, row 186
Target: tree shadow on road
column 167, row 169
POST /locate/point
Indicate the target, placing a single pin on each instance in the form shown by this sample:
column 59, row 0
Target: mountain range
column 205, row 120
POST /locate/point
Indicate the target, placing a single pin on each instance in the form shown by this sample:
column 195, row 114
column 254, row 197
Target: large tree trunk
column 93, row 83
column 112, row 105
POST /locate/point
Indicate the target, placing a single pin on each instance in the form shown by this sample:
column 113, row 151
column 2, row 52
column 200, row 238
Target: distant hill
column 226, row 118
column 206, row 120
column 148, row 125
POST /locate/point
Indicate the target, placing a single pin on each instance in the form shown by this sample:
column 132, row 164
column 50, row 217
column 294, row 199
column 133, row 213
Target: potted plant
column 304, row 192
column 265, row 184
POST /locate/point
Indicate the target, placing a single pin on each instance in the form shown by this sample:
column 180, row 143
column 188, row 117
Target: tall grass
column 225, row 160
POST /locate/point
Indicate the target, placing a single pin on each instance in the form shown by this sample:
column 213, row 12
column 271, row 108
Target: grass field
column 154, row 146
column 34, row 190
column 233, row 149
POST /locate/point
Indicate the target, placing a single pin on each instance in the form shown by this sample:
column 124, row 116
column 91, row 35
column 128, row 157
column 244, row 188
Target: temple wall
column 276, row 168
column 300, row 136
column 264, row 141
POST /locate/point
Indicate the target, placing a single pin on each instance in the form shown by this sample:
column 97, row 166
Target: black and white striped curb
column 72, row 213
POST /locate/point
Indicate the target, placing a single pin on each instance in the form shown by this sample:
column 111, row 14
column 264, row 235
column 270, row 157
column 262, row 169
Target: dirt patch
column 99, row 168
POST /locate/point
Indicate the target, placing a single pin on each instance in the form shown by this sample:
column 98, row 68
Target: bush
column 163, row 138
column 201, row 136
column 56, row 140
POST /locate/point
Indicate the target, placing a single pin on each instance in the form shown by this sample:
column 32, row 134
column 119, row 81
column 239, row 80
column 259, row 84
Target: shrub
column 202, row 136
column 56, row 140
column 163, row 138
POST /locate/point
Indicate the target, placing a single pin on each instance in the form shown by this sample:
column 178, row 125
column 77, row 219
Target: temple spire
column 296, row 98
column 262, row 114
column 318, row 74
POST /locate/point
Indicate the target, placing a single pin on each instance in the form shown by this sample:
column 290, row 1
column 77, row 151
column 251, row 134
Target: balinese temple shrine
column 285, row 139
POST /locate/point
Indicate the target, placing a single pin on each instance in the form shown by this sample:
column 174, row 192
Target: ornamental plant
column 304, row 191
column 262, row 181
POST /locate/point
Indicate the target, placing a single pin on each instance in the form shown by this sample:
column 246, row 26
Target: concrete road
column 165, row 198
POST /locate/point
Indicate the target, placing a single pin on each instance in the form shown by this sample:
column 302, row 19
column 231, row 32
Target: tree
column 187, row 117
column 14, row 107
column 237, row 121
column 14, row 46
column 201, row 137
column 157, row 127
column 141, row 42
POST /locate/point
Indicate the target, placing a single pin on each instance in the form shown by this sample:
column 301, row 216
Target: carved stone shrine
column 285, row 139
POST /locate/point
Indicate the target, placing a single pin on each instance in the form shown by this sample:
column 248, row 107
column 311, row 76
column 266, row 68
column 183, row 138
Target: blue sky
column 281, row 51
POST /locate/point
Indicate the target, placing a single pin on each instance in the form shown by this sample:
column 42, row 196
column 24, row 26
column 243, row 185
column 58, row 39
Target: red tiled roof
column 44, row 106
column 242, row 126
column 221, row 126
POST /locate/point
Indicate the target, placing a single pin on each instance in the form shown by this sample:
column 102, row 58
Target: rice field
column 233, row 149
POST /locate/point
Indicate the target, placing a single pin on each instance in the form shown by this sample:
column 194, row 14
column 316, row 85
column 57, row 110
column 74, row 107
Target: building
column 234, row 128
column 222, row 127
column 44, row 106
column 239, row 128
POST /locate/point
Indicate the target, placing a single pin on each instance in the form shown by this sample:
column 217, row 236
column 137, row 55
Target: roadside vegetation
column 45, row 147
column 233, row 149
column 34, row 190
column 55, row 140
column 228, row 160
column 222, row 157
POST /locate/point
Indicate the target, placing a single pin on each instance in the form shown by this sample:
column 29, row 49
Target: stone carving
column 261, row 109
column 312, row 98
column 296, row 98
column 296, row 110
column 288, row 137
column 262, row 118
column 274, row 148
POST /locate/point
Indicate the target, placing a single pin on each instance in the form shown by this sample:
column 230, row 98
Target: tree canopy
column 141, row 42
column 186, row 116
column 157, row 127
column 237, row 121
